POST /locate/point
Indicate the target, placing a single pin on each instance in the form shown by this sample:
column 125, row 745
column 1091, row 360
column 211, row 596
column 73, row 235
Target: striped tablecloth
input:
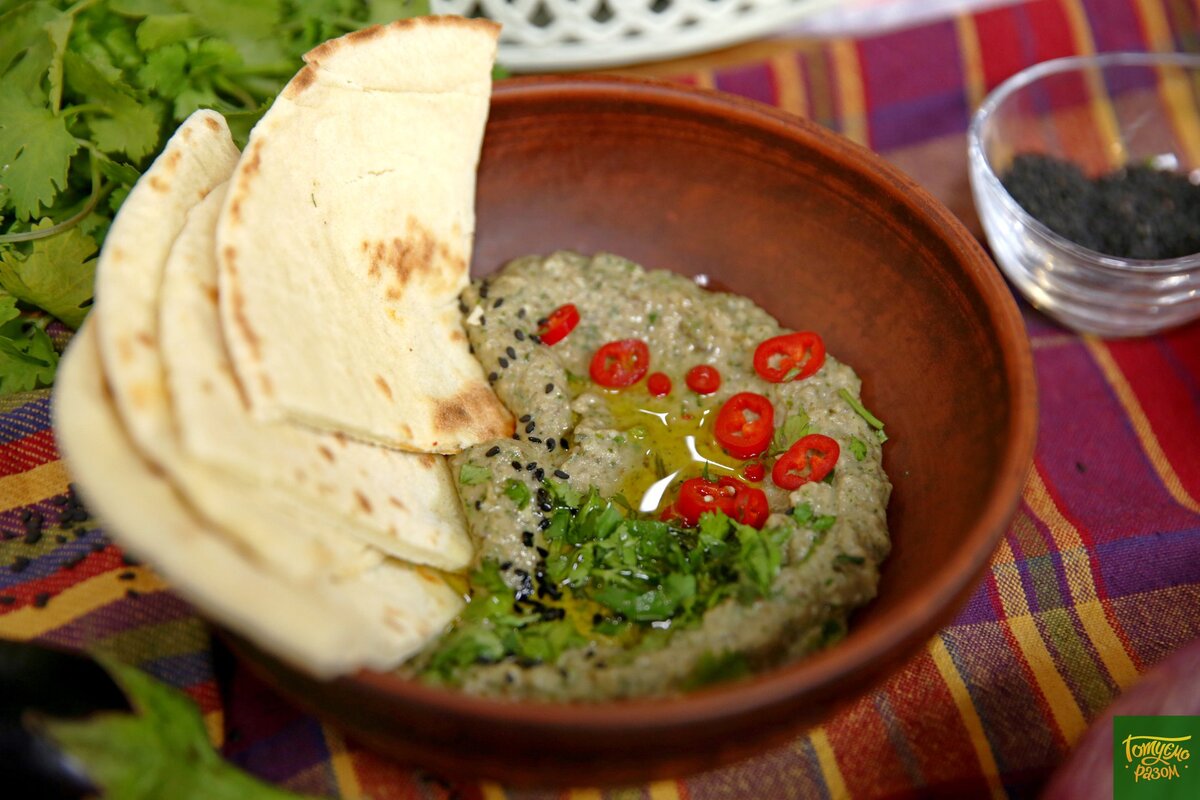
column 1097, row 579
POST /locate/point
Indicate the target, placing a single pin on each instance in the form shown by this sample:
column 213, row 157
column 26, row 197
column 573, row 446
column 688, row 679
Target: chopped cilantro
column 516, row 491
column 794, row 427
column 859, row 409
column 858, row 447
column 843, row 558
column 711, row 668
column 473, row 474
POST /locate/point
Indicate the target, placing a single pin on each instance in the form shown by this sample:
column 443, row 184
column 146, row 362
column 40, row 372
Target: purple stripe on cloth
column 1158, row 622
column 25, row 420
column 290, row 750
column 12, row 521
column 1145, row 563
column 754, row 81
column 913, row 85
column 51, row 561
column 978, row 609
column 154, row 608
column 1115, row 25
column 897, row 738
column 1093, row 437
column 182, row 670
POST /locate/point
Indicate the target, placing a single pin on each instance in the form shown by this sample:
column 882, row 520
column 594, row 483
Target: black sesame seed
column 19, row 564
column 549, row 388
column 535, row 440
column 531, row 466
column 80, row 533
column 132, row 593
column 527, row 538
column 546, row 507
column 59, row 500
column 129, row 561
column 530, row 426
column 7, row 599
column 493, row 377
column 539, row 473
column 516, row 465
column 100, row 546
column 558, row 473
column 471, row 348
column 533, row 337
column 545, row 523
column 521, row 312
column 483, row 289
column 41, row 599
column 127, row 575
column 517, row 436
column 462, row 307
column 525, row 418
column 33, row 536
column 495, row 449
column 478, row 505
column 60, row 539
column 519, row 334
column 562, row 442
column 503, row 362
column 508, row 677
column 550, row 444
column 26, row 515
column 511, row 352
column 597, row 619
column 482, row 320
column 72, row 563
column 505, row 566
column 543, row 322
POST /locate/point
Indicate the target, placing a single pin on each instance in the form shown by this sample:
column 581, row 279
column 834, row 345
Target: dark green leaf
column 517, row 491
column 56, row 275
column 35, row 153
column 473, row 474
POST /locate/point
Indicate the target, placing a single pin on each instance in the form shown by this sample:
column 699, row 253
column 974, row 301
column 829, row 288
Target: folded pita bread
column 346, row 238
column 404, row 504
column 326, row 627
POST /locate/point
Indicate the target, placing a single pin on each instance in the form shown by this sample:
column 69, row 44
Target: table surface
column 1096, row 580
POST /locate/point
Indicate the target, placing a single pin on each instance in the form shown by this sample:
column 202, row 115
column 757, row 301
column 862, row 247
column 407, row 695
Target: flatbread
column 326, row 627
column 264, row 521
column 346, row 238
column 404, row 504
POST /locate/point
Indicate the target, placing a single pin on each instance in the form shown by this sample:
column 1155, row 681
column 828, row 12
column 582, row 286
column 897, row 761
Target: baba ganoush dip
column 692, row 494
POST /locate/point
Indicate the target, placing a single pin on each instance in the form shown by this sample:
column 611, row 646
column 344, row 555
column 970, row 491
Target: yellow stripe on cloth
column 1081, row 582
column 79, row 600
column 33, row 485
column 1063, row 706
column 1101, row 105
column 790, row 94
column 850, row 91
column 664, row 790
column 492, row 791
column 584, row 794
column 1141, row 424
column 969, row 715
column 972, row 60
column 705, row 79
column 214, row 726
column 827, row 760
column 342, row 762
column 1175, row 85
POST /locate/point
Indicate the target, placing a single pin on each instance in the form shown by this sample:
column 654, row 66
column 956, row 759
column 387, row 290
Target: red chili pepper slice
column 745, row 425
column 621, row 363
column 748, row 505
column 703, row 379
column 791, row 357
column 754, row 471
column 696, row 495
column 659, row 384
column 558, row 324
column 809, row 459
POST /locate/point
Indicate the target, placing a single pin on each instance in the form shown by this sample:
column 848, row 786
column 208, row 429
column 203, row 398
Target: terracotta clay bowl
column 825, row 236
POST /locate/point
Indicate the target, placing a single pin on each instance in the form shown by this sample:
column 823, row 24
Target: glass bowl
column 1102, row 113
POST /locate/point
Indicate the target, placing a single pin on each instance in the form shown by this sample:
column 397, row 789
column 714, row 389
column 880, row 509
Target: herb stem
column 98, row 192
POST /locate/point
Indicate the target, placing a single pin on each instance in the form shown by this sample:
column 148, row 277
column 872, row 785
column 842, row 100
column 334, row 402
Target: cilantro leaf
column 473, row 474
column 861, row 410
column 35, row 153
column 517, row 491
column 27, row 356
column 56, row 275
column 858, row 447
column 790, row 432
column 161, row 750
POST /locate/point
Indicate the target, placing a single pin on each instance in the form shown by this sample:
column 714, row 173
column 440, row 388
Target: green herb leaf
column 794, row 427
column 161, row 750
column 56, row 275
column 27, row 356
column 843, row 558
column 473, row 474
column 35, row 151
column 516, row 491
column 858, row 447
column 859, row 409
column 711, row 668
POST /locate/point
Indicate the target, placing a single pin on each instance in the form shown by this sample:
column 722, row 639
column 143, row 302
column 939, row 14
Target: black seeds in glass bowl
column 1134, row 212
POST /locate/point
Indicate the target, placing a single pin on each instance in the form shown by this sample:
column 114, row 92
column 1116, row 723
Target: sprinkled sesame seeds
column 545, row 523
column 493, row 452
column 7, row 599
column 539, row 473
column 519, row 334
column 531, row 466
column 516, row 465
column 482, row 320
column 517, row 436
column 533, row 337
column 558, row 473
column 562, row 442
column 543, row 552
column 127, row 575
column 19, row 564
column 521, row 312
column 535, row 439
column 527, row 538
column 550, row 444
column 530, row 426
column 483, row 289
column 503, row 362
column 511, row 352
column 41, row 599
column 525, row 418
column 132, row 594
column 549, row 388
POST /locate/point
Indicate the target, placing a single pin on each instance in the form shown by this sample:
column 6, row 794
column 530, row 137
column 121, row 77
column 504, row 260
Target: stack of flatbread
column 275, row 359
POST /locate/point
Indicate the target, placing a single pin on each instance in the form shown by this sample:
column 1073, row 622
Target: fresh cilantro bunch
column 89, row 93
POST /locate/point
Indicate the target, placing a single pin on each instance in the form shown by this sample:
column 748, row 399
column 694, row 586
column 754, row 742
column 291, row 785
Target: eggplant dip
column 692, row 494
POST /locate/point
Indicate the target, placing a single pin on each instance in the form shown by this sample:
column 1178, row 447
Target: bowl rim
column 977, row 155
column 905, row 628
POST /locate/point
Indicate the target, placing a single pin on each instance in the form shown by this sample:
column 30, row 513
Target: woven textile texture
column 1097, row 579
